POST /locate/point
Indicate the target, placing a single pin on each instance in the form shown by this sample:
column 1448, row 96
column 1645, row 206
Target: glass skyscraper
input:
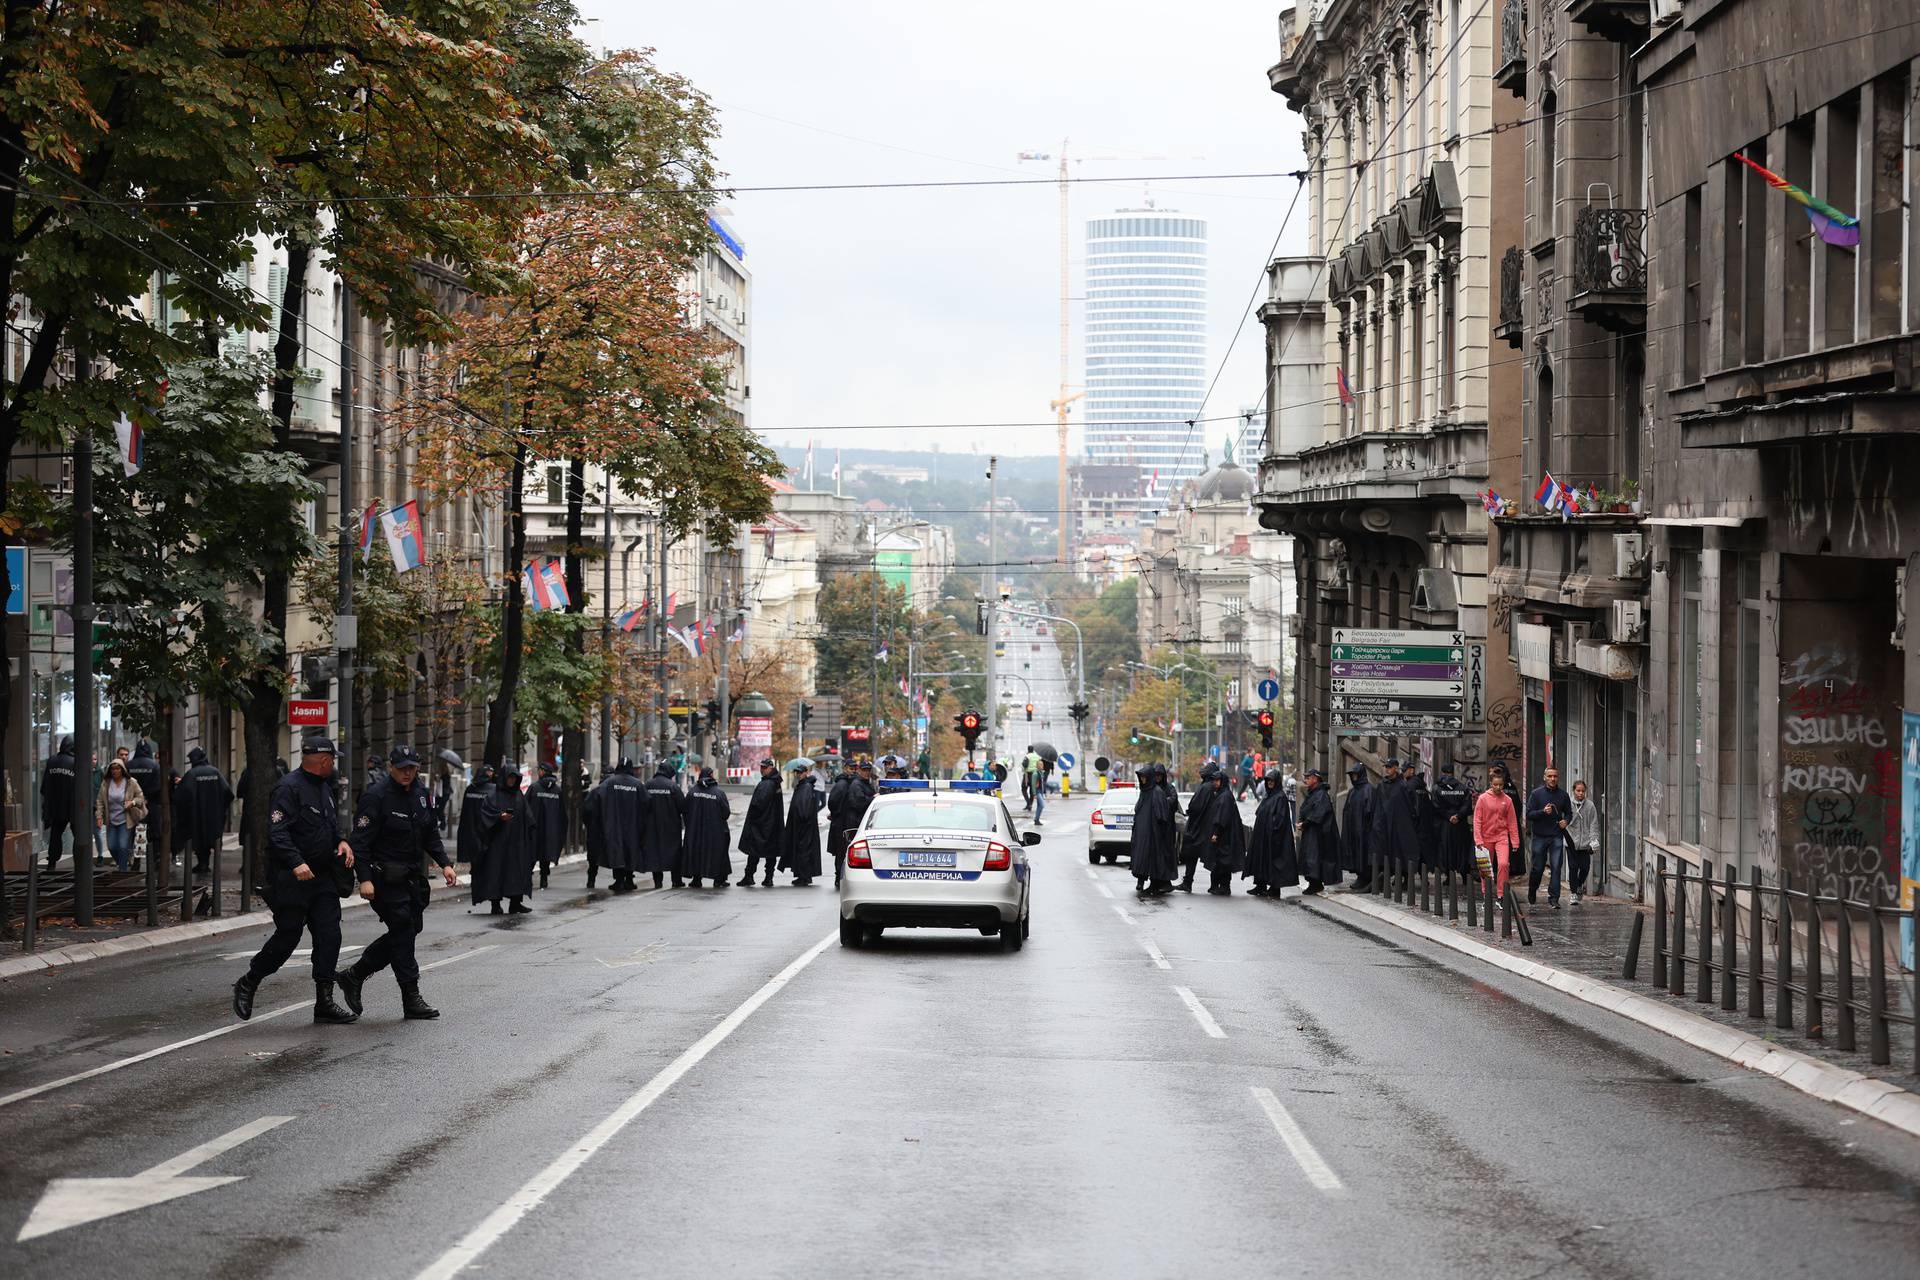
column 1146, row 344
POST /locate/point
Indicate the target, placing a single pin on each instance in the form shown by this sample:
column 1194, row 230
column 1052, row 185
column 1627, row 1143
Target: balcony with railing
column 1622, row 21
column 1510, row 69
column 1511, row 327
column 1386, row 469
column 1610, row 268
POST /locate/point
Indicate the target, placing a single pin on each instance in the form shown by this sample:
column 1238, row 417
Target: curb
column 1887, row 1103
column 169, row 935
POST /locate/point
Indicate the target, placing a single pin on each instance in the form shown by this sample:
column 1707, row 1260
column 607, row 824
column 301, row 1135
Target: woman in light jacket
column 118, row 809
column 1495, row 828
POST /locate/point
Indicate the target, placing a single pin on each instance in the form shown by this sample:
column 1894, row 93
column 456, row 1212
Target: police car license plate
column 1121, row 820
column 928, row 858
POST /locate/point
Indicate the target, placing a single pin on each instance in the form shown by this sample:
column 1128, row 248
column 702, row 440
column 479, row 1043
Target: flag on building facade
column 546, row 585
column 402, row 529
column 367, row 518
column 1834, row 227
column 133, row 450
column 881, row 655
column 1340, row 380
column 739, row 630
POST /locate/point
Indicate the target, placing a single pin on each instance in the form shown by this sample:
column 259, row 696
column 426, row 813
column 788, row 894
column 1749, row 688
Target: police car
column 1110, row 829
column 937, row 859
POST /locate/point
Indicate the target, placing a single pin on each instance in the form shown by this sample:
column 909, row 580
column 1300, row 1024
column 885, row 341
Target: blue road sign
column 17, row 578
column 1269, row 689
column 1066, row 759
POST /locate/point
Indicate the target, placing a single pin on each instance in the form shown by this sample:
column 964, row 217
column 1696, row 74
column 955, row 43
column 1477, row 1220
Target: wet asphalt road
column 930, row 1106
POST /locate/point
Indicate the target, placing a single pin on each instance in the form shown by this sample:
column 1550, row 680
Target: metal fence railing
column 1439, row 892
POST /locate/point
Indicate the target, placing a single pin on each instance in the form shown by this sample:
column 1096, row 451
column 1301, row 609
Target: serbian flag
column 739, row 630
column 1548, row 494
column 687, row 640
column 1340, row 380
column 881, row 656
column 366, row 529
column 1831, row 225
column 673, row 600
column 133, row 450
column 630, row 619
column 402, row 529
column 1153, row 482
column 546, row 585
column 695, row 640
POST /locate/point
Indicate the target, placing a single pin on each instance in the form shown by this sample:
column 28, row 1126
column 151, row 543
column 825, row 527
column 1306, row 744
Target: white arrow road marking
column 1318, row 1171
column 645, row 955
column 1199, row 1012
column 74, row 1202
column 34, row 1091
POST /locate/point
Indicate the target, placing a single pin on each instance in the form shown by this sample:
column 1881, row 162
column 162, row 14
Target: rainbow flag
column 1831, row 225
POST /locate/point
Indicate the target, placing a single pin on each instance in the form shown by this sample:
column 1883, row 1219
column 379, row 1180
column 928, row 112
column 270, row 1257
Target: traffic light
column 806, row 713
column 695, row 722
column 968, row 725
column 1078, row 711
column 1133, row 736
column 1029, row 711
column 1265, row 721
column 713, row 711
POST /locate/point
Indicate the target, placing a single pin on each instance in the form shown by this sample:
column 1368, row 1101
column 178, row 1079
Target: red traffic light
column 969, row 721
column 1266, row 719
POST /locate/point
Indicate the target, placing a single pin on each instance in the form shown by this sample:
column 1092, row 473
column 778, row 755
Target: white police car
column 946, row 859
column 1110, row 829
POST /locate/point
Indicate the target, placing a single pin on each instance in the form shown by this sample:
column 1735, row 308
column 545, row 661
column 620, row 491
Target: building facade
column 1145, row 342
column 1378, row 471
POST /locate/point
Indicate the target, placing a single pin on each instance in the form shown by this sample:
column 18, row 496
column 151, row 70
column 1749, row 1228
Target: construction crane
column 1061, row 403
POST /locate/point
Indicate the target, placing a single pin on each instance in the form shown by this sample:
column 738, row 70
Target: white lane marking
column 1091, row 874
column 1106, row 892
column 1123, row 913
column 73, row 1202
column 35, row 1091
column 497, row 1224
column 1153, row 953
column 1200, row 1014
column 1318, row 1171
column 300, row 954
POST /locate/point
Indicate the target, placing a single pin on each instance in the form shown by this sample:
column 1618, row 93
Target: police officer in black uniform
column 308, row 869
column 393, row 829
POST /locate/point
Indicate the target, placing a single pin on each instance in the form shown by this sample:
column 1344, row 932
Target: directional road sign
column 1269, row 690
column 1399, row 681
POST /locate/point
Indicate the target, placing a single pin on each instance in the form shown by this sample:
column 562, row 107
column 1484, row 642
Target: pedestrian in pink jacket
column 1494, row 828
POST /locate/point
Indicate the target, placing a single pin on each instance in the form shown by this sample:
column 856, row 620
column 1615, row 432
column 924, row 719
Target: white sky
column 916, row 307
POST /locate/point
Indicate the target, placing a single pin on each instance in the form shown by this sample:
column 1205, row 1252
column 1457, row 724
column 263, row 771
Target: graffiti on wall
column 1842, row 492
column 1506, row 731
column 1839, row 775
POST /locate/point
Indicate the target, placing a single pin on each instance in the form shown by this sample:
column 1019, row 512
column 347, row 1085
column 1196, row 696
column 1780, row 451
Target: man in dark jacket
column 1395, row 820
column 1272, row 863
column 548, row 820
column 1453, row 817
column 466, row 840
column 1356, row 828
column 1319, row 841
column 763, row 830
column 503, row 854
column 145, row 770
column 200, row 806
column 666, row 827
column 800, row 841
column 847, row 804
column 1548, row 808
column 706, row 841
column 1195, row 836
column 393, row 834
column 621, row 813
column 1155, row 849
column 1223, row 845
column 56, row 802
column 306, row 864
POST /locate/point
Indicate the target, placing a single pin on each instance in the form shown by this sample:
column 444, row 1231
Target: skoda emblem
column 926, row 839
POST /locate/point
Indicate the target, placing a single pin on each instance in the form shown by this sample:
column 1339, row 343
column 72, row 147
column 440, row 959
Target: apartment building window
column 1346, row 363
column 1452, row 55
column 1549, row 168
column 1417, row 382
column 1840, row 188
column 1543, row 421
column 1399, row 337
column 1420, row 93
column 1448, row 357
column 556, row 486
column 1689, row 650
column 1882, row 202
column 1633, row 378
column 1691, row 320
column 1744, row 243
column 1797, row 271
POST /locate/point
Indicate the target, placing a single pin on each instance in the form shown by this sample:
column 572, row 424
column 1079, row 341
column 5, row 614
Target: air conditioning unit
column 1629, row 555
column 1665, row 11
column 1574, row 633
column 1629, row 622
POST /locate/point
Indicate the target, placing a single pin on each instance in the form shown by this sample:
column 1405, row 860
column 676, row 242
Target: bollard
column 1730, row 927
column 1488, row 882
column 1815, row 1006
column 1877, row 1049
column 1677, row 957
column 1473, row 905
column 1426, row 888
column 1453, row 897
column 1843, row 977
column 1506, row 914
column 1632, row 969
column 1660, row 920
column 1756, row 983
column 1783, row 966
column 1703, row 988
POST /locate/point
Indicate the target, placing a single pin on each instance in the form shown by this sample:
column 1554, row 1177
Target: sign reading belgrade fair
column 1399, row 682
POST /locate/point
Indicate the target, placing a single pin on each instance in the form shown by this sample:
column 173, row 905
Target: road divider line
column 1104, row 891
column 1304, row 1154
column 1091, row 875
column 34, row 1091
column 1124, row 915
column 1153, row 953
column 1199, row 1012
column 494, row 1227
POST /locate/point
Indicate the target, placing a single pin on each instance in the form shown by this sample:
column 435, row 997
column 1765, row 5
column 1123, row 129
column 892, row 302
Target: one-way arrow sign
column 73, row 1202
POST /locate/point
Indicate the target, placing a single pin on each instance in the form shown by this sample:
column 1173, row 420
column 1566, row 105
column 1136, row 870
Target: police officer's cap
column 767, row 763
column 546, row 766
column 319, row 747
column 375, row 760
column 1315, row 773
column 1393, row 762
column 402, row 754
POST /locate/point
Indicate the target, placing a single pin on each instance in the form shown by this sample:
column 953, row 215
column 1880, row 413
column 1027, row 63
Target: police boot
column 413, row 1006
column 543, row 877
column 746, row 881
column 518, row 907
column 325, row 1010
column 1186, row 885
column 351, row 980
column 243, row 996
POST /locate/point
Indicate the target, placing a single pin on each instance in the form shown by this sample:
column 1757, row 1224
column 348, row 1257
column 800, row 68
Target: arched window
column 1549, row 169
column 1543, row 418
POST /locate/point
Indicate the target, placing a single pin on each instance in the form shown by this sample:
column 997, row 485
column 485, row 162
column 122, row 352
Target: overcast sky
column 920, row 307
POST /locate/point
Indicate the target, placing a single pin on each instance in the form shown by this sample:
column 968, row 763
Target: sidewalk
column 1582, row 951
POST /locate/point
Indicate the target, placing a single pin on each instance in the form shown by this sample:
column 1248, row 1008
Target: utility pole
column 992, row 709
column 665, row 724
column 873, row 684
column 345, row 627
column 606, row 623
column 86, row 716
column 733, row 588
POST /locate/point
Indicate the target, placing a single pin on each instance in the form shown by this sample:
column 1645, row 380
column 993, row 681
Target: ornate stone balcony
column 1511, row 328
column 1510, row 68
column 1360, row 477
column 1610, row 268
column 1622, row 21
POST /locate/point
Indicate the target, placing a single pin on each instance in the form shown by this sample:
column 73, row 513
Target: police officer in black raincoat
column 1195, row 836
column 1272, row 863
column 1155, row 844
column 466, row 838
column 145, row 770
column 393, row 832
column 847, row 804
column 547, row 822
column 764, row 829
column 707, row 840
column 1318, row 840
column 800, row 842
column 56, row 802
column 503, row 860
column 1356, row 827
column 1453, row 818
column 620, row 814
column 1223, row 842
column 666, row 827
column 201, row 803
column 308, row 868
